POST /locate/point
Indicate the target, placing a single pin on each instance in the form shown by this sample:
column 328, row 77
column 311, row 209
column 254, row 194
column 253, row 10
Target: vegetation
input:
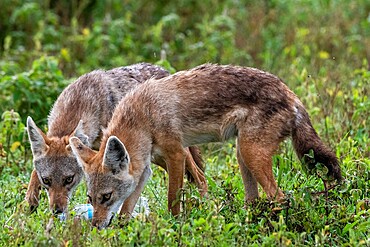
column 321, row 50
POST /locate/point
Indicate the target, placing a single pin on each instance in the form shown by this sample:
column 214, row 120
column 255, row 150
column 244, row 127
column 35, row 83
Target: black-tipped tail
column 307, row 142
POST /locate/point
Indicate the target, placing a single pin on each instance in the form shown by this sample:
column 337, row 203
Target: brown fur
column 206, row 104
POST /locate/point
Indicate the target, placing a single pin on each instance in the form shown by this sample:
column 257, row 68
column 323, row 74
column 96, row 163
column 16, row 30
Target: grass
column 319, row 48
column 310, row 217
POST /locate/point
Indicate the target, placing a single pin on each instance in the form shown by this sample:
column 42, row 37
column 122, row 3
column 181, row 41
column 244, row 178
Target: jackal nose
column 57, row 211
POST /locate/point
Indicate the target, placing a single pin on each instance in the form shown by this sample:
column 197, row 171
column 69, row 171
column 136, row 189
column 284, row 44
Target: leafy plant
column 12, row 149
column 32, row 92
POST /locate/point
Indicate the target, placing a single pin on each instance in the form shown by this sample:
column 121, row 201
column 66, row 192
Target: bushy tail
column 307, row 142
column 197, row 157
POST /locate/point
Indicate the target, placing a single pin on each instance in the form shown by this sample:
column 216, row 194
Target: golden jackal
column 206, row 104
column 83, row 109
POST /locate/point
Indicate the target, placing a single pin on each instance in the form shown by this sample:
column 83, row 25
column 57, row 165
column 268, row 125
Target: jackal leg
column 129, row 204
column 258, row 159
column 192, row 167
column 250, row 183
column 175, row 157
column 33, row 191
column 196, row 172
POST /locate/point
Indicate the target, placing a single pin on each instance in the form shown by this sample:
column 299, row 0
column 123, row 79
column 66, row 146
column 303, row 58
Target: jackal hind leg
column 196, row 173
column 257, row 156
column 33, row 191
column 250, row 183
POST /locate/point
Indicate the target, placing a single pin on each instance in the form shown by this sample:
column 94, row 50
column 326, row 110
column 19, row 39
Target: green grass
column 310, row 217
column 319, row 48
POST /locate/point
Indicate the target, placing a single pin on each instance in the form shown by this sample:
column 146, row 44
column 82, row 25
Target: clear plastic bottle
column 85, row 211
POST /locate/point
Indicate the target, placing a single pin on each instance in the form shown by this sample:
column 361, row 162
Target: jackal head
column 55, row 164
column 109, row 179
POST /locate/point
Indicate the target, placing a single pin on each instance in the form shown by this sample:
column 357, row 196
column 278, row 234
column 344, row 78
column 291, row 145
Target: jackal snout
column 58, row 201
column 102, row 218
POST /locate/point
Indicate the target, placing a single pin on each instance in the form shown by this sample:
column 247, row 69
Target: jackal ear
column 116, row 157
column 82, row 152
column 37, row 138
column 80, row 134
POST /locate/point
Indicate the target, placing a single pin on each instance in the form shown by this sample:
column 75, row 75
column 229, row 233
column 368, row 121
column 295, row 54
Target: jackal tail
column 310, row 148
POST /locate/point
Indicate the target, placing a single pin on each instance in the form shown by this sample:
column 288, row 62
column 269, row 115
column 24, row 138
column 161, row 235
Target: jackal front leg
column 33, row 191
column 175, row 160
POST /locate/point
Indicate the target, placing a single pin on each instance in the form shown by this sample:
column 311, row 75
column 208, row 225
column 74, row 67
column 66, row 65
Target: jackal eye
column 46, row 181
column 106, row 197
column 68, row 180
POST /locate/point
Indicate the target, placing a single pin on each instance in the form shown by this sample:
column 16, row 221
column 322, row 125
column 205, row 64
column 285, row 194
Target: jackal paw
column 33, row 201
